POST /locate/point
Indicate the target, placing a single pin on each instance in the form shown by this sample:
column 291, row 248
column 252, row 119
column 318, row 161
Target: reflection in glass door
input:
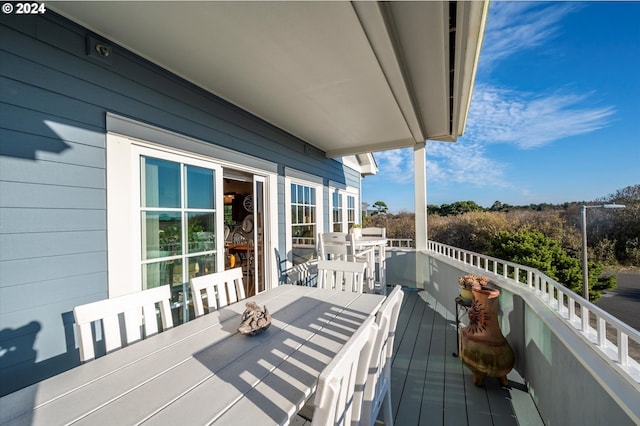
column 178, row 221
column 259, row 232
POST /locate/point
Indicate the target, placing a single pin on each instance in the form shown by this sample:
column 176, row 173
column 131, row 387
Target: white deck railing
column 400, row 242
column 569, row 306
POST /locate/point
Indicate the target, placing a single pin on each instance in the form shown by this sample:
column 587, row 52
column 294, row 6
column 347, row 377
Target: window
column 343, row 215
column 177, row 221
column 336, row 207
column 304, row 226
column 351, row 211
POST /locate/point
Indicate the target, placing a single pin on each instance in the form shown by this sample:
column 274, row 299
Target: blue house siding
column 54, row 101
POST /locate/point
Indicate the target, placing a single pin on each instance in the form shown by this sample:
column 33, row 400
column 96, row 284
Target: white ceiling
column 345, row 77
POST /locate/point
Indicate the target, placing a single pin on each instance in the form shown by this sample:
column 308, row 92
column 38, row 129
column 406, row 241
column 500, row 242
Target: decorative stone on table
column 483, row 348
column 254, row 319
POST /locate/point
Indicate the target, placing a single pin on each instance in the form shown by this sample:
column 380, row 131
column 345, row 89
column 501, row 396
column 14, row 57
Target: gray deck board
column 431, row 386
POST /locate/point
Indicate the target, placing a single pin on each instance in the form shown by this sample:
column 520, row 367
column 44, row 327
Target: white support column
column 420, row 196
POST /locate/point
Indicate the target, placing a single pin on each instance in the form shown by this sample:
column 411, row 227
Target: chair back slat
column 139, row 311
column 111, row 332
column 338, row 385
column 133, row 321
column 341, row 275
column 377, row 389
column 221, row 288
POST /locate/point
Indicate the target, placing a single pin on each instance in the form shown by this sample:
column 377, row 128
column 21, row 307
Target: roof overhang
column 368, row 165
column 346, row 77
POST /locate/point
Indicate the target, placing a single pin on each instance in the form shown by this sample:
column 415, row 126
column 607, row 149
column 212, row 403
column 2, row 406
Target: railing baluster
column 602, row 332
column 585, row 318
column 623, row 348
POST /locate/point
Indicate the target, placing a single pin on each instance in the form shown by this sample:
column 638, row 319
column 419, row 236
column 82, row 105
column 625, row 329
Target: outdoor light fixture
column 585, row 267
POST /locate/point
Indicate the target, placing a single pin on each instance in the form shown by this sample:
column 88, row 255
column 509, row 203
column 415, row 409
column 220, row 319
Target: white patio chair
column 221, row 288
column 304, row 273
column 338, row 391
column 377, row 390
column 341, row 275
column 335, row 246
column 139, row 312
column 341, row 246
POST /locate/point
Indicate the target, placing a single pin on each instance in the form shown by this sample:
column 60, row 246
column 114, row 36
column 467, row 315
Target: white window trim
column 320, row 213
column 122, row 177
column 344, row 193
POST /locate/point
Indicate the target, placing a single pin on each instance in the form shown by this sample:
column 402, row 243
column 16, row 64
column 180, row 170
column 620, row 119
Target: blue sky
column 555, row 113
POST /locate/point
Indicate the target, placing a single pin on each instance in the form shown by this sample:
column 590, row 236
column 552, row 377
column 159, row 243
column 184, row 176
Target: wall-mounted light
column 99, row 50
column 103, row 50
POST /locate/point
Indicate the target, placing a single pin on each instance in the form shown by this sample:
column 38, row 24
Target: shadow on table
column 286, row 359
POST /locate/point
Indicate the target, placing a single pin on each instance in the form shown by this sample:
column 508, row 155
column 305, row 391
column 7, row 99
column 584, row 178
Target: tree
column 433, row 209
column 459, row 207
column 532, row 248
column 381, row 207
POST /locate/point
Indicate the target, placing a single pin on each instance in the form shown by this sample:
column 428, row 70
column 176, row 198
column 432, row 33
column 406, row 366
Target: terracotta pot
column 483, row 348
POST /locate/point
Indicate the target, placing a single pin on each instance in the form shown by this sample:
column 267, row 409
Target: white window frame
column 344, row 194
column 137, row 152
column 124, row 247
column 320, row 213
column 123, row 208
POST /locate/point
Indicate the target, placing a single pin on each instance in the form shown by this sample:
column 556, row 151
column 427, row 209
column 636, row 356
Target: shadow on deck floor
column 430, row 386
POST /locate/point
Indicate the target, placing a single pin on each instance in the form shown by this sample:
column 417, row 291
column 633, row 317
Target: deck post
column 420, row 196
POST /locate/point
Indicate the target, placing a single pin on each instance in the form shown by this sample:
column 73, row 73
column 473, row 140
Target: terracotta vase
column 483, row 348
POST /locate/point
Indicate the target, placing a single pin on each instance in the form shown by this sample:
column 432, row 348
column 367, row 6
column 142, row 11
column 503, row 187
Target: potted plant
column 356, row 230
column 467, row 282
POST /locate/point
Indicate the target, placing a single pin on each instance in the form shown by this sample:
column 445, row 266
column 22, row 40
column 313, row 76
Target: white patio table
column 204, row 371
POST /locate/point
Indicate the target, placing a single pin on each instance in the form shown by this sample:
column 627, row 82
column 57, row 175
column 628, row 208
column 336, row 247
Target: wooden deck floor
column 429, row 386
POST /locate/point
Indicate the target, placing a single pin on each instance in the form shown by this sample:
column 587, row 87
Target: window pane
column 160, row 184
column 162, row 273
column 161, row 234
column 201, row 232
column 200, row 188
column 307, row 196
column 202, row 265
column 294, row 198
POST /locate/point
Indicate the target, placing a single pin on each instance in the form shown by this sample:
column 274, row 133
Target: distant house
column 145, row 143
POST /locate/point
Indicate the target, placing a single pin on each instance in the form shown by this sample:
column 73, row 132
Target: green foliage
column 545, row 236
column 459, row 207
column 532, row 248
column 380, row 207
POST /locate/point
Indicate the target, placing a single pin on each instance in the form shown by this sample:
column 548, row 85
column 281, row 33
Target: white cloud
column 530, row 120
column 463, row 162
column 396, row 165
column 514, row 27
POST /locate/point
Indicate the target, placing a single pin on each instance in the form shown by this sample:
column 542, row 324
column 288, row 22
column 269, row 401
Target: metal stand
column 462, row 307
